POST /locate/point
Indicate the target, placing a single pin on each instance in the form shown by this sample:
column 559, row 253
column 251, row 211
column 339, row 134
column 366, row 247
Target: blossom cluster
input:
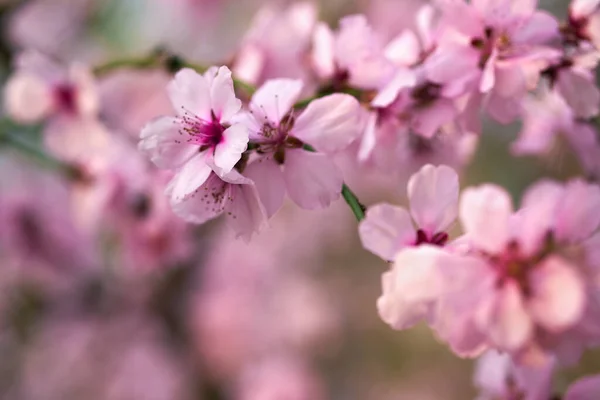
column 518, row 285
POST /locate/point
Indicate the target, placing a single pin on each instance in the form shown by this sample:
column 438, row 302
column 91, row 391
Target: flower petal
column 577, row 215
column 312, row 180
column 411, row 287
column 244, row 213
column 433, row 196
column 330, row 123
column 190, row 177
column 273, row 100
column 163, row 141
column 558, row 295
column 268, row 179
column 587, row 388
column 484, row 213
column 27, row 97
column 208, row 203
column 504, row 319
column 385, row 230
column 189, row 93
column 229, row 151
column 222, row 96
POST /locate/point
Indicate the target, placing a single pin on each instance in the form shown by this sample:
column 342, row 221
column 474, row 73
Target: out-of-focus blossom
column 498, row 377
column 329, row 124
column 584, row 21
column 352, row 56
column 545, row 117
column 433, row 198
column 518, row 284
column 277, row 43
column 280, row 378
column 494, row 47
column 201, row 139
column 129, row 99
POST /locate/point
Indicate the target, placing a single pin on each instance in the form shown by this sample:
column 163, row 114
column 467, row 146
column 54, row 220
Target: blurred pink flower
column 433, row 197
column 329, row 124
column 498, row 377
column 584, row 21
column 493, row 47
column 354, row 55
column 277, row 43
column 201, row 138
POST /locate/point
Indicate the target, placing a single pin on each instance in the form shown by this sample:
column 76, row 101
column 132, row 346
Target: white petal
column 330, row 123
column 244, row 213
column 385, row 230
column 433, row 196
column 312, row 180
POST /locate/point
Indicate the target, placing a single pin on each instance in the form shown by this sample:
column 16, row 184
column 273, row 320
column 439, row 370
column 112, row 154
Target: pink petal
column 425, row 21
column 470, row 24
column 27, row 98
column 163, row 141
column 233, row 144
column 312, row 180
column 577, row 216
column 268, row 179
column 190, row 93
column 250, row 62
column 583, row 8
column 484, row 213
column 411, row 288
column 86, row 90
column 322, row 51
column 330, row 123
column 488, row 78
column 539, row 29
column 427, row 121
column 558, row 295
column 580, row 93
column 404, row 49
column 509, row 79
column 503, row 109
column 385, row 230
column 587, row 388
column 222, row 96
column 273, row 100
column 208, row 203
column 369, row 139
column 504, row 319
column 453, row 62
column 433, row 196
column 244, row 213
column 404, row 78
column 190, row 177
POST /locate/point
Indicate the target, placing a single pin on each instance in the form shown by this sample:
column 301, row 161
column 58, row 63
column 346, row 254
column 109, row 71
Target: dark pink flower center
column 206, row 134
column 437, row 239
column 65, row 96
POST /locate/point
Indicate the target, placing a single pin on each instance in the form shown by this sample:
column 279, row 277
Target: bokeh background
column 289, row 316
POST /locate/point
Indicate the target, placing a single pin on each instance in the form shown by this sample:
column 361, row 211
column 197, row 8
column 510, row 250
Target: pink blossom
column 328, row 124
column 40, row 88
column 584, row 21
column 493, row 47
column 202, row 137
column 498, row 377
column 526, row 289
column 352, row 56
column 546, row 118
column 276, row 43
column 433, row 197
